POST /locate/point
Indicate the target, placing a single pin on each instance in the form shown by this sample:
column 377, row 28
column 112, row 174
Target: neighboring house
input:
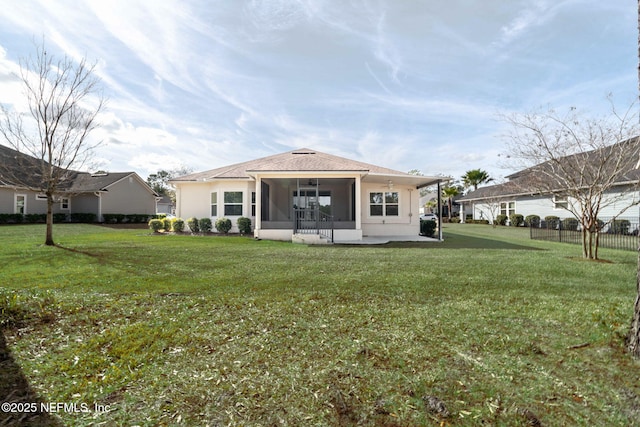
column 165, row 205
column 81, row 193
column 429, row 204
column 304, row 193
column 512, row 197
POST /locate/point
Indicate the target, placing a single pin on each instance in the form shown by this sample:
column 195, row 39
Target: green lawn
column 169, row 330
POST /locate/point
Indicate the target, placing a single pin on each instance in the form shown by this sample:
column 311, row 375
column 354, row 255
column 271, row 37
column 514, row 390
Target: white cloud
column 403, row 85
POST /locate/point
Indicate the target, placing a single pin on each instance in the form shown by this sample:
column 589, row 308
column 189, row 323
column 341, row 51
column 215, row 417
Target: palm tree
column 475, row 177
column 449, row 193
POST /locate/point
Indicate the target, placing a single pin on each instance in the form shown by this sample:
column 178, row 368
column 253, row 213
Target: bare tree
column 490, row 209
column 52, row 138
column 579, row 160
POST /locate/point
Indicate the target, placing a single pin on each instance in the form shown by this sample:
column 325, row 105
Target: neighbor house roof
column 23, row 171
column 86, row 182
column 582, row 169
column 300, row 160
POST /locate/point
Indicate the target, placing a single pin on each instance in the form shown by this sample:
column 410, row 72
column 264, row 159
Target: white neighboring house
column 511, row 197
column 306, row 194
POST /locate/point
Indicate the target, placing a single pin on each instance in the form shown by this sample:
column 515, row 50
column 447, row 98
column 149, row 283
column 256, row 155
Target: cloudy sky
column 405, row 84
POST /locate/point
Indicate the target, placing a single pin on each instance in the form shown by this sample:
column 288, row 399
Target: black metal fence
column 313, row 221
column 616, row 234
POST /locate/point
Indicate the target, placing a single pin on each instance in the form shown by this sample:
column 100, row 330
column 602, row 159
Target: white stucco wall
column 406, row 223
column 194, row 200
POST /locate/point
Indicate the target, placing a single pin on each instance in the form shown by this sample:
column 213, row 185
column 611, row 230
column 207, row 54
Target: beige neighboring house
column 306, row 195
column 81, row 193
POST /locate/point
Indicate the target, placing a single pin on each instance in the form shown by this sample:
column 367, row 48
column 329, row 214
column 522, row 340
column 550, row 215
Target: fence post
column 559, row 231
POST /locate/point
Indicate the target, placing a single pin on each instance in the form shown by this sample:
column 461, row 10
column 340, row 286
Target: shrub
column 178, row 225
column 83, row 217
column 570, row 224
column 552, row 221
column 11, row 218
column 480, row 221
column 532, row 221
column 137, row 218
column 166, row 223
column 455, row 220
column 57, row 217
column 244, row 225
column 516, row 220
column 192, row 223
column 156, row 225
column 113, row 218
column 205, row 225
column 501, row 219
column 428, row 228
column 33, row 218
column 223, row 225
column 620, row 226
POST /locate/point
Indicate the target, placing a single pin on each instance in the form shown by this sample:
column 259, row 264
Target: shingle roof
column 86, row 182
column 23, row 171
column 301, row 160
column 580, row 169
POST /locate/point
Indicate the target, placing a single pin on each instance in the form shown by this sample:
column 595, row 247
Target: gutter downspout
column 99, row 196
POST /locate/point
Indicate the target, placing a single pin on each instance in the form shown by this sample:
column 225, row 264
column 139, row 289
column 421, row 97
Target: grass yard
column 486, row 328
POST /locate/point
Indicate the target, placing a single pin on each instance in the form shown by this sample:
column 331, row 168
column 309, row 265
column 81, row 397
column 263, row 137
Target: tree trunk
column 49, row 238
column 633, row 337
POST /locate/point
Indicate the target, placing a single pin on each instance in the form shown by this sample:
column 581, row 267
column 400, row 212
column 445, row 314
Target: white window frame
column 233, row 204
column 65, row 203
column 560, row 200
column 508, row 210
column 384, row 204
column 24, row 204
column 253, row 203
column 213, row 203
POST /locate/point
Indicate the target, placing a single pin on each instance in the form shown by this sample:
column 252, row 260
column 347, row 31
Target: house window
column 233, row 203
column 64, row 203
column 253, row 203
column 20, row 205
column 214, row 204
column 384, row 204
column 560, row 202
column 507, row 208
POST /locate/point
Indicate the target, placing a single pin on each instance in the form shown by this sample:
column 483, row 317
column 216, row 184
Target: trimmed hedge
column 178, row 225
column 478, row 221
column 156, row 225
column 193, row 225
column 428, row 228
column 552, row 221
column 501, row 219
column 223, row 225
column 516, row 220
column 532, row 221
column 244, row 225
column 620, row 226
column 83, row 217
column 11, row 218
column 34, row 218
column 570, row 224
column 205, row 225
